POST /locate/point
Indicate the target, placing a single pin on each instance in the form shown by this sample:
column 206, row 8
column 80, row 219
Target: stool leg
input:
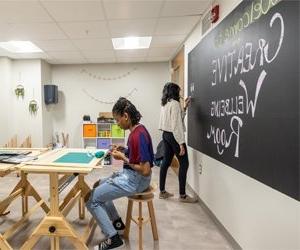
column 128, row 219
column 81, row 208
column 140, row 226
column 152, row 220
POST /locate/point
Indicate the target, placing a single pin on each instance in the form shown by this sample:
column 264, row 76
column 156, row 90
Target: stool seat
column 146, row 196
column 141, row 198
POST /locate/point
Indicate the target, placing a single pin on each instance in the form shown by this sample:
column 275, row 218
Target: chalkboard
column 243, row 78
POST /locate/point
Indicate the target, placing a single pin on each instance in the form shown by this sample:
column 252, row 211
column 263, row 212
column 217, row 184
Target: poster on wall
column 243, row 78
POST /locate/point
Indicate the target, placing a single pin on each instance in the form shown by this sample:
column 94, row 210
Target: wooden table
column 23, row 189
column 55, row 224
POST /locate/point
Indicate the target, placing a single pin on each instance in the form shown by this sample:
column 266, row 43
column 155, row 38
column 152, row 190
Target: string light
column 112, row 78
column 107, row 102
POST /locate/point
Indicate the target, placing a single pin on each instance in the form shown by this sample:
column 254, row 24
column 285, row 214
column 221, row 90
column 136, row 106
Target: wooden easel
column 23, row 189
column 55, row 224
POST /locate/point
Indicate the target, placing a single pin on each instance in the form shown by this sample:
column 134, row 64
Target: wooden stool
column 146, row 196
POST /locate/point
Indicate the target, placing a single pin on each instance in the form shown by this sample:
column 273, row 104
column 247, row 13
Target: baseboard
column 219, row 225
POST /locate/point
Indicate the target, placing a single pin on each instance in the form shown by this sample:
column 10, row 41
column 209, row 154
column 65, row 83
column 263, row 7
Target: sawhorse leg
column 54, row 225
column 25, row 189
column 4, row 244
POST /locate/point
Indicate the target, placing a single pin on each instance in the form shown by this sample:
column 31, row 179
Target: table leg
column 54, row 225
column 23, row 189
column 4, row 244
column 24, row 195
column 84, row 190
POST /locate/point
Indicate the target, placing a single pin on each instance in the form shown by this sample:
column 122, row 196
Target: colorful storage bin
column 89, row 130
column 116, row 131
column 103, row 143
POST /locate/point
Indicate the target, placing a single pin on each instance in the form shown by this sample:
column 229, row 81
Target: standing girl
column 172, row 125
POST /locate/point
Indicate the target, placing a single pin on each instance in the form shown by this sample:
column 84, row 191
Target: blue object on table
column 75, row 157
column 99, row 154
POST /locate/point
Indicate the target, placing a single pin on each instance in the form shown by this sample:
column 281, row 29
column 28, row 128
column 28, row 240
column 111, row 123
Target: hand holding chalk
column 187, row 102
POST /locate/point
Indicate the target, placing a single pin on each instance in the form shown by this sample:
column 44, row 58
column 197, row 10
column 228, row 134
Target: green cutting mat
column 75, row 158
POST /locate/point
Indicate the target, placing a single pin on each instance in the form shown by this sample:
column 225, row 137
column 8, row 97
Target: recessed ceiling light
column 132, row 42
column 20, row 47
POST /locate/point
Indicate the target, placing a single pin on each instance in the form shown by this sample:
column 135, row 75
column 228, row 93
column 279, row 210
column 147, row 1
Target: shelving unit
column 101, row 135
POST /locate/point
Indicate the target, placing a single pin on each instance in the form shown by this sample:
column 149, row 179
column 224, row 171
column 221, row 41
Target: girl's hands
column 117, row 147
column 117, row 155
column 182, row 150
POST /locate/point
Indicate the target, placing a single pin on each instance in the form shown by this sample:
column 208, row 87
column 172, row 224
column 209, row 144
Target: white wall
column 14, row 112
column 46, row 78
column 147, row 78
column 27, row 73
column 257, row 216
column 5, row 100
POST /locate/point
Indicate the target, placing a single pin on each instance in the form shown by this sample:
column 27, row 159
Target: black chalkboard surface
column 243, row 78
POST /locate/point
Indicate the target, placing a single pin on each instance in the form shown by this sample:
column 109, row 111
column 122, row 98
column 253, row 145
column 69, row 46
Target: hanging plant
column 33, row 106
column 19, row 91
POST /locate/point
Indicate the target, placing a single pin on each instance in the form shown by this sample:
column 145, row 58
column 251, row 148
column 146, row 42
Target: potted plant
column 33, row 106
column 19, row 91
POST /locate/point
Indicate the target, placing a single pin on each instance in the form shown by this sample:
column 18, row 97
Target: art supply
column 97, row 154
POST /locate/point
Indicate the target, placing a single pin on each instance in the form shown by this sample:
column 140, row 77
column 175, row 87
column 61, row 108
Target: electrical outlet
column 200, row 168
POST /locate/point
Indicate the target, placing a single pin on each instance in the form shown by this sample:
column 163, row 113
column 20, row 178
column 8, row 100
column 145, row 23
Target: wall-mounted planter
column 20, row 91
column 33, row 107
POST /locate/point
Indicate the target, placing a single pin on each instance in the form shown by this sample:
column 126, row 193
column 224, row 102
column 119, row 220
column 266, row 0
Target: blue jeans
column 120, row 184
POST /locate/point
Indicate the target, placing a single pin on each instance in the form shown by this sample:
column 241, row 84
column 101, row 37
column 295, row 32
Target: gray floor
column 180, row 226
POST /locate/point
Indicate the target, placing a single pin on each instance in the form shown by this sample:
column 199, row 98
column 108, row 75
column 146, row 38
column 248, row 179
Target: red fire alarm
column 215, row 13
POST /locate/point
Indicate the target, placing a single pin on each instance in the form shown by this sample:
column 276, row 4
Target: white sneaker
column 187, row 199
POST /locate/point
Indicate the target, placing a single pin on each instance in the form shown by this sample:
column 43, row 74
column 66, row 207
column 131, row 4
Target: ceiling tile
column 98, row 54
column 122, row 28
column 67, row 61
column 157, row 59
column 96, row 44
column 22, row 11
column 33, row 55
column 176, row 25
column 161, row 52
column 5, row 30
column 38, row 31
column 128, row 9
column 131, row 53
column 167, row 41
column 74, row 10
column 184, row 8
column 130, row 59
column 66, row 55
column 102, row 60
column 55, row 45
column 75, row 31
column 86, row 30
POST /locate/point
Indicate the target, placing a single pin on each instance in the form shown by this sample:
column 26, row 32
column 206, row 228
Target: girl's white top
column 171, row 120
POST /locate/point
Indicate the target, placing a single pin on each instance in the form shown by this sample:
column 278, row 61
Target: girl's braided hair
column 125, row 106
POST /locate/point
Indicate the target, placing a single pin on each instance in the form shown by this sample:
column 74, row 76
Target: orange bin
column 89, row 130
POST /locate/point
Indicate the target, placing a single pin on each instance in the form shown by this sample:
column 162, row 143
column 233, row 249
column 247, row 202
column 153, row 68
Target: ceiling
column 80, row 31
